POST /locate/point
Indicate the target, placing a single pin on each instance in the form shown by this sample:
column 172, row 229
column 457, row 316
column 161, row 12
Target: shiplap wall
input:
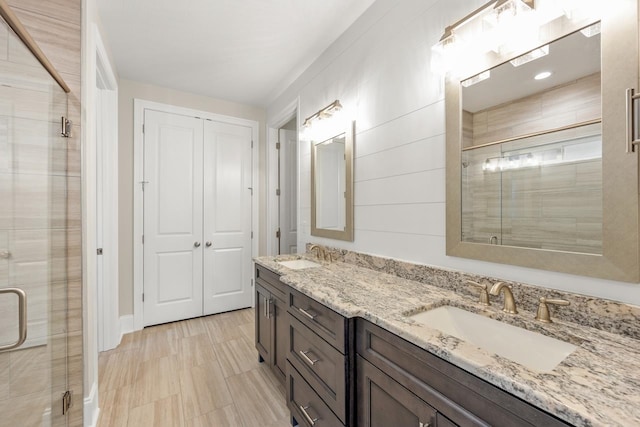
column 380, row 71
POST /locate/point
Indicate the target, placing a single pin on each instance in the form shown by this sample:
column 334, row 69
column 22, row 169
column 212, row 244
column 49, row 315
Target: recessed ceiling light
column 542, row 75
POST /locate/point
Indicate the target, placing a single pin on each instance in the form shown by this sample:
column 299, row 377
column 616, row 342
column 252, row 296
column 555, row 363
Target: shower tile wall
column 56, row 27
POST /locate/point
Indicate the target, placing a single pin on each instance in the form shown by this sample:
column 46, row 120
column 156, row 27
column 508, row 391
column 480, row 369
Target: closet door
column 227, row 217
column 173, row 244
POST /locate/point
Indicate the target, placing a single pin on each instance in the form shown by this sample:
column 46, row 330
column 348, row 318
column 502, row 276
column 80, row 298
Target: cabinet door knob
column 196, row 245
column 208, row 244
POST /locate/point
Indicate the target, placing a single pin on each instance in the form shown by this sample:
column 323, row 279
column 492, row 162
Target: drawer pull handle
column 425, row 424
column 312, row 421
column 307, row 358
column 306, row 313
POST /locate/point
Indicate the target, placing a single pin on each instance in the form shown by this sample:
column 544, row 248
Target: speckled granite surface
column 596, row 385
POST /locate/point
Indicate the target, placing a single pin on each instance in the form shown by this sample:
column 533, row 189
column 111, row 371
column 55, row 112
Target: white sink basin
column 535, row 351
column 299, row 264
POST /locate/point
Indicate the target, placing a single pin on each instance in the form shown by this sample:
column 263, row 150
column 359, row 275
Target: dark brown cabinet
column 272, row 323
column 456, row 396
column 383, row 402
column 320, row 370
column 350, row 372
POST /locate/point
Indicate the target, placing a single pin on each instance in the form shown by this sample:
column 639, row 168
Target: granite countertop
column 598, row 384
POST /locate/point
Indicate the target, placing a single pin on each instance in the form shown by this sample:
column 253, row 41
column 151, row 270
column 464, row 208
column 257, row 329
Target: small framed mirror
column 332, row 186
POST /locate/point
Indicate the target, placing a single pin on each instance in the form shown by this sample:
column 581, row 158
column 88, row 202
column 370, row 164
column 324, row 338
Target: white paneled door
column 227, row 217
column 173, row 170
column 288, row 179
column 197, row 217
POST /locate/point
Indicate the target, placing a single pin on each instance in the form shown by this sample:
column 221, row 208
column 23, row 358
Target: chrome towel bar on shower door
column 22, row 316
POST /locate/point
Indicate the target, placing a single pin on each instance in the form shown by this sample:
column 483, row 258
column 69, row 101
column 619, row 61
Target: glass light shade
column 530, row 56
column 512, row 26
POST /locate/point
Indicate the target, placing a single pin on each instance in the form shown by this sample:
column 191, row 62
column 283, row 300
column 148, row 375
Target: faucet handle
column 543, row 314
column 484, row 294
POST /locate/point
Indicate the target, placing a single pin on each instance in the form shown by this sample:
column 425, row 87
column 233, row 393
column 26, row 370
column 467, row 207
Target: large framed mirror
column 538, row 173
column 332, row 186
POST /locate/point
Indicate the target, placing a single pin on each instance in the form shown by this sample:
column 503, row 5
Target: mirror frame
column 347, row 234
column 620, row 246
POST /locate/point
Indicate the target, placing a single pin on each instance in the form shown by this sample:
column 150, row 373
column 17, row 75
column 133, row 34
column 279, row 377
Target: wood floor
column 198, row 372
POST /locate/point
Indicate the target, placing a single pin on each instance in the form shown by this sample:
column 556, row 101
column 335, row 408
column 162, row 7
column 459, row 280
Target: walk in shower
column 39, row 211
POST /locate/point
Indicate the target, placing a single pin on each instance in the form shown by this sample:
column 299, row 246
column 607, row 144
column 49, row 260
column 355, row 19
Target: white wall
column 380, row 71
column 127, row 91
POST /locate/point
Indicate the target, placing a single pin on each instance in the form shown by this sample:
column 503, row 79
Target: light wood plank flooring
column 198, row 372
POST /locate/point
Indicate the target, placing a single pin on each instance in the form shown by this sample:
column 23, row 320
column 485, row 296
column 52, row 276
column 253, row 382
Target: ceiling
column 238, row 50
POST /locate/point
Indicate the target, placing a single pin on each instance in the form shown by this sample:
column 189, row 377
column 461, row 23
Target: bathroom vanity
column 355, row 356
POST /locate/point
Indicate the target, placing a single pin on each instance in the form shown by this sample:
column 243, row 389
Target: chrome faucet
column 509, row 302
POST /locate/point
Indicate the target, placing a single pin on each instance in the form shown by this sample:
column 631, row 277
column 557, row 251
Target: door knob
column 208, row 244
column 196, row 244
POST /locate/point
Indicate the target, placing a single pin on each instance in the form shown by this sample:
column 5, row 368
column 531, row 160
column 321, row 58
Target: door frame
column 109, row 331
column 292, row 110
column 139, row 107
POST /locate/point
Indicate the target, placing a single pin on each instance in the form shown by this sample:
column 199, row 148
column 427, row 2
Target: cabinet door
column 280, row 331
column 263, row 324
column 382, row 402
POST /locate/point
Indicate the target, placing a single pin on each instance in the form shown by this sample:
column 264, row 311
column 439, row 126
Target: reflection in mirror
column 330, row 184
column 331, row 187
column 532, row 149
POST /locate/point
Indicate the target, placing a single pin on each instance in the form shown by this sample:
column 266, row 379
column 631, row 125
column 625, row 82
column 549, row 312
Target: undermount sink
column 299, row 264
column 533, row 350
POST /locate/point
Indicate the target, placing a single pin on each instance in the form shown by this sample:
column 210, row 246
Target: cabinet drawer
column 322, row 320
column 271, row 281
column 462, row 397
column 305, row 405
column 321, row 365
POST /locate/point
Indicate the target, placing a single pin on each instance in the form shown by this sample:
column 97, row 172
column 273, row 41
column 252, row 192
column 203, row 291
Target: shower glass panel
column 541, row 192
column 33, row 238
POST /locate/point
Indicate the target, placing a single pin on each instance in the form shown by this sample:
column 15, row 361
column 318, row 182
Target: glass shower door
column 33, row 240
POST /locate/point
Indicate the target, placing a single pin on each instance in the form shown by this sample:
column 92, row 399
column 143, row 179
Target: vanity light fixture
column 543, row 75
column 476, row 79
column 505, row 26
column 323, row 113
column 530, row 56
column 592, row 30
column 325, row 123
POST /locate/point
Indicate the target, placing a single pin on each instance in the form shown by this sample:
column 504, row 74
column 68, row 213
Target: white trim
column 126, row 326
column 108, row 331
column 91, row 409
column 281, row 119
column 139, row 105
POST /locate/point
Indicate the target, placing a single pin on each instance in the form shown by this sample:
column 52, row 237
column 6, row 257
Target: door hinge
column 67, row 402
column 278, row 234
column 252, row 234
column 277, row 145
column 65, row 130
column 143, row 297
column 99, row 251
column 143, row 128
column 277, row 191
column 143, row 239
column 252, row 283
column 252, row 143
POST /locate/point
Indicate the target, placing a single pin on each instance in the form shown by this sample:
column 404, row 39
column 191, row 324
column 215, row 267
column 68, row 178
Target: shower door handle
column 22, row 316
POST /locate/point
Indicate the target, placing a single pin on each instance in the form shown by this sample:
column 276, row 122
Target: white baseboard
column 91, row 409
column 126, row 325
